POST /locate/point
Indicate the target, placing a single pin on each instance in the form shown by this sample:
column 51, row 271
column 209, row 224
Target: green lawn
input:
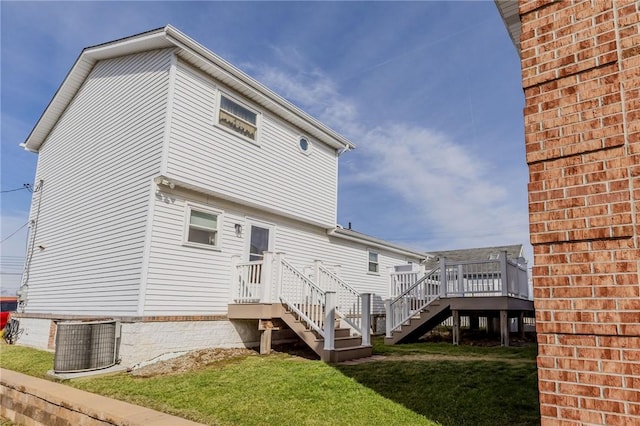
column 418, row 384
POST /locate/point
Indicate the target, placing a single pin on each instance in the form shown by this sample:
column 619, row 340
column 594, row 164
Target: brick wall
column 581, row 79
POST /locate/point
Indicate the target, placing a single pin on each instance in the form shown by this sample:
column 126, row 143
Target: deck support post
column 521, row 324
column 265, row 337
column 456, row 327
column 366, row 319
column 504, row 328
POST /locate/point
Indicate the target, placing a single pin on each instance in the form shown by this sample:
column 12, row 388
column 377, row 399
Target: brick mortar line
column 604, row 148
column 625, row 123
column 572, row 74
column 585, row 240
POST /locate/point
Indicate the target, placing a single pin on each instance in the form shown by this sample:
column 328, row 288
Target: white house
column 165, row 175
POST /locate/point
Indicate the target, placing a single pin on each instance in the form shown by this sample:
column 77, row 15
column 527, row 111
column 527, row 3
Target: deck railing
column 352, row 307
column 412, row 300
column 248, row 282
column 494, row 277
column 302, row 296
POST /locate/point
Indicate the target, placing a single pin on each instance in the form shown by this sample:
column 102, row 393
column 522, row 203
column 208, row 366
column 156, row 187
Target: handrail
column 413, row 300
column 349, row 302
column 302, row 296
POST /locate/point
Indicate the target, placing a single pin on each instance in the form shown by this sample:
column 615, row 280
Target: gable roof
column 197, row 55
column 481, row 253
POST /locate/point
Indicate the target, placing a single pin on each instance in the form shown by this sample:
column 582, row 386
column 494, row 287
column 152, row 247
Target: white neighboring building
column 161, row 167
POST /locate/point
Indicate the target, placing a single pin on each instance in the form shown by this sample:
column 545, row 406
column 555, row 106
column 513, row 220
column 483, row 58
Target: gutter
column 335, row 232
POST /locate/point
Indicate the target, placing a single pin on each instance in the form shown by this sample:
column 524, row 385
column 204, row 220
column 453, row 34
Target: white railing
column 349, row 303
column 248, row 282
column 413, row 300
column 302, row 296
column 496, row 277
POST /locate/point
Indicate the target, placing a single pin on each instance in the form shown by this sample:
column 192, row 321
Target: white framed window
column 202, row 227
column 237, row 117
column 373, row 265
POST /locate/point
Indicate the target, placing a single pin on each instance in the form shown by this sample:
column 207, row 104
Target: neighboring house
column 172, row 186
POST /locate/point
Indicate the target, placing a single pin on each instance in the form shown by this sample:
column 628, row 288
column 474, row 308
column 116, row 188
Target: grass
column 419, row 384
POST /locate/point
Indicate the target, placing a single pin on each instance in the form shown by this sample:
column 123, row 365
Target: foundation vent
column 86, row 346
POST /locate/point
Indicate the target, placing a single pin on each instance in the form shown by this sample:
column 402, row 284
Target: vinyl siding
column 97, row 166
column 275, row 175
column 186, row 280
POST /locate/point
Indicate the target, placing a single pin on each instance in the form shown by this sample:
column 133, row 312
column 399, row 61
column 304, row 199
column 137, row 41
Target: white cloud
column 455, row 199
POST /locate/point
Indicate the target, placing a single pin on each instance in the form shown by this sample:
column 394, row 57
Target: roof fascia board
column 374, row 242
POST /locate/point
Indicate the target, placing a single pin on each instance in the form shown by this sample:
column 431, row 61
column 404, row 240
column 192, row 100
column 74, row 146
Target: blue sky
column 429, row 92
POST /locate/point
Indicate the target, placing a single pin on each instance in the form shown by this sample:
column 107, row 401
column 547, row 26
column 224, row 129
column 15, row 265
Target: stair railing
column 413, row 300
column 301, row 296
column 349, row 302
column 247, row 282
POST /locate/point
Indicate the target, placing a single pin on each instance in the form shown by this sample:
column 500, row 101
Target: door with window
column 260, row 239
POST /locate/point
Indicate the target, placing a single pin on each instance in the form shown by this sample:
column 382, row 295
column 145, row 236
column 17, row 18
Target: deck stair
column 326, row 313
column 420, row 323
column 346, row 345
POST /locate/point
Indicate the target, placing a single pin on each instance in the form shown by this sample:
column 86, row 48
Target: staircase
column 345, row 346
column 417, row 309
column 420, row 322
column 334, row 321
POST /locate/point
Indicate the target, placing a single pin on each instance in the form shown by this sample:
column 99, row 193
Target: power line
column 13, row 190
column 14, row 233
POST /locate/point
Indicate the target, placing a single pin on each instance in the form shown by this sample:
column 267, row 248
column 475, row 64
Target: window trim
column 369, row 262
column 309, row 144
column 189, row 207
column 234, row 99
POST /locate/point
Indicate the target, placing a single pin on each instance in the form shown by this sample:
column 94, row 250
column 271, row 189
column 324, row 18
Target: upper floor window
column 374, row 266
column 202, row 227
column 238, row 118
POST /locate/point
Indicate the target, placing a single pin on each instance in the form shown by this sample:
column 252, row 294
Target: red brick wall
column 581, row 79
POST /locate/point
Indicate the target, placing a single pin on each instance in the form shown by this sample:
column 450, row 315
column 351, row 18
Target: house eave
column 194, row 53
column 510, row 14
column 373, row 242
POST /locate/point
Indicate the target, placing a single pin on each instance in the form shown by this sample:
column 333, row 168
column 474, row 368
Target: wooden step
column 346, row 354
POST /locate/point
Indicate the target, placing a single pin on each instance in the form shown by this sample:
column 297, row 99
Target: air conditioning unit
column 86, row 346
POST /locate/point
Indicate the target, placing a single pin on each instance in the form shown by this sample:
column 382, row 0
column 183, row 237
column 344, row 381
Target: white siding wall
column 275, row 175
column 186, row 280
column 97, row 166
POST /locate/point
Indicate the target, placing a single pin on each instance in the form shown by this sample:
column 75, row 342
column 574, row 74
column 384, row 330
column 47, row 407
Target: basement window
column 234, row 116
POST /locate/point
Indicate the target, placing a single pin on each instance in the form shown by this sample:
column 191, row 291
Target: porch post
column 443, row 277
column 234, row 279
column 278, row 274
column 266, row 277
column 366, row 319
column 503, row 273
column 329, row 320
column 388, row 318
column 504, row 328
column 460, row 280
column 521, row 324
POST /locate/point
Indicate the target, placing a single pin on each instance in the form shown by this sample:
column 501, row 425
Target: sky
column 429, row 91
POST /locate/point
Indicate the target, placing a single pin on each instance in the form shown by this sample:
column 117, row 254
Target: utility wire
column 14, row 233
column 13, row 190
